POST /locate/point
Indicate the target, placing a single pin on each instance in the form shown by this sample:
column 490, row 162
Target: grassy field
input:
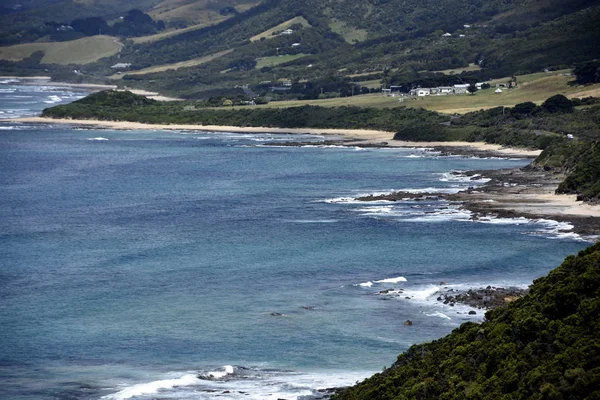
column 373, row 84
column 471, row 67
column 350, row 35
column 181, row 64
column 534, row 87
column 196, row 12
column 163, row 35
column 276, row 60
column 81, row 51
column 268, row 34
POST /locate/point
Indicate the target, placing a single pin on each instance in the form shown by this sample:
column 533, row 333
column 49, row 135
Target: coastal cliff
column 544, row 345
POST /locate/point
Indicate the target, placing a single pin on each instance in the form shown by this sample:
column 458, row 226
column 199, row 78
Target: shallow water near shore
column 152, row 264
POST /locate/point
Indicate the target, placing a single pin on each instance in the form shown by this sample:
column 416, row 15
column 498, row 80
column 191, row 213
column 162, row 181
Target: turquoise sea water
column 155, row 264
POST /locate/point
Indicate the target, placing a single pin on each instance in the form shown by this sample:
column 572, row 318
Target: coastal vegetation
column 541, row 346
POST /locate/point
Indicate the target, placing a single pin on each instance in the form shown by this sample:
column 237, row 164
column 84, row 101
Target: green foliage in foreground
column 545, row 345
column 581, row 160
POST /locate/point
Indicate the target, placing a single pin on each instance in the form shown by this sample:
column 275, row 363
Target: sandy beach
column 511, row 193
column 354, row 136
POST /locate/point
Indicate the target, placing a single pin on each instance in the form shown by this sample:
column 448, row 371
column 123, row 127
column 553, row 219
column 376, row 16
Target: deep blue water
column 134, row 261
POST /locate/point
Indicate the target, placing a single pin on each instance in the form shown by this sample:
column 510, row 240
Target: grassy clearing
column 163, row 35
column 268, row 34
column 276, row 60
column 534, row 87
column 196, row 12
column 470, row 68
column 177, row 65
column 80, row 51
column 373, row 84
column 350, row 34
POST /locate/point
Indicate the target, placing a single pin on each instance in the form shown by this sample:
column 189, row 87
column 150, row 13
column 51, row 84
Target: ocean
column 201, row 265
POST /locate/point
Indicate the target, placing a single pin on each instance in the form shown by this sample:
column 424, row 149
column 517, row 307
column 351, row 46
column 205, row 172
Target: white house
column 287, row 32
column 442, row 90
column 466, row 26
column 498, row 90
column 446, row 34
column 461, row 88
column 295, row 44
column 423, row 92
column 121, row 65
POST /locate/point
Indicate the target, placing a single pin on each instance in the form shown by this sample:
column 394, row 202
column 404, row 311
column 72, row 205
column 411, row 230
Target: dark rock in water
column 398, row 196
column 308, row 307
column 407, row 298
column 276, row 314
column 442, row 283
column 472, row 312
column 408, row 322
column 488, row 298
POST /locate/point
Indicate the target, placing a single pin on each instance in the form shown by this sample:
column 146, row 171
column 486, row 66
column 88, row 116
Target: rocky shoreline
column 485, row 299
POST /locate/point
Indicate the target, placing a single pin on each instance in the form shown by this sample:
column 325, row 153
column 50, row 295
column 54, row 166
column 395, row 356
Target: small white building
column 121, row 65
column 443, row 90
column 466, row 26
column 421, row 92
column 446, row 34
column 295, row 44
column 498, row 90
column 287, row 32
column 461, row 88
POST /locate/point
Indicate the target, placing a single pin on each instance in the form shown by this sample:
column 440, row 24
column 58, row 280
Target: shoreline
column 91, row 86
column 510, row 193
column 353, row 137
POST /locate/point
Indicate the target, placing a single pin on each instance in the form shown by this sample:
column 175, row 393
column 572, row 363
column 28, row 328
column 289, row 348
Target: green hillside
column 545, row 345
column 347, row 46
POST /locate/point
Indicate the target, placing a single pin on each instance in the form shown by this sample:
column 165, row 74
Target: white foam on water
column 98, row 139
column 442, row 215
column 422, row 293
column 312, row 221
column 366, row 284
column 439, row 314
column 220, row 374
column 448, row 190
column 502, row 221
column 376, row 210
column 393, row 280
column 149, row 388
column 251, row 383
column 460, row 176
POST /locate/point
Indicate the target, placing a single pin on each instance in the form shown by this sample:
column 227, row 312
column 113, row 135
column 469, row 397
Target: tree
column 524, row 108
column 472, row 88
column 588, row 73
column 558, row 104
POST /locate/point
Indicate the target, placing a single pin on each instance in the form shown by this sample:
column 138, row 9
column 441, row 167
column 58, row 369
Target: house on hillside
column 295, row 44
column 121, row 66
column 444, row 90
column 461, row 88
column 447, row 34
column 287, row 32
column 423, row 92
